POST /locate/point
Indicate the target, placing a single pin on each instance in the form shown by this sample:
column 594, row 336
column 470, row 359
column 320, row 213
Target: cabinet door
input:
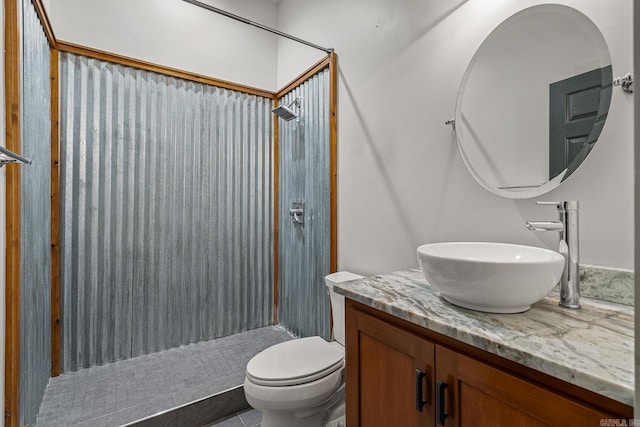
column 479, row 395
column 389, row 374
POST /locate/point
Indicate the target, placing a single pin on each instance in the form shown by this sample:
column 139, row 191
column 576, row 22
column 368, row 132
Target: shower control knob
column 297, row 214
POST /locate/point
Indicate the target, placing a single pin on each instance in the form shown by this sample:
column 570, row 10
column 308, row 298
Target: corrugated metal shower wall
column 35, row 216
column 167, row 211
column 304, row 260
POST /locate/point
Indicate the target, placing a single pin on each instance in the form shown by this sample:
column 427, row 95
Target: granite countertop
column 592, row 347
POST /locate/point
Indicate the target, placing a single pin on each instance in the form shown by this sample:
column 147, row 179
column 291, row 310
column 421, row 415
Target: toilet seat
column 295, row 362
column 296, row 399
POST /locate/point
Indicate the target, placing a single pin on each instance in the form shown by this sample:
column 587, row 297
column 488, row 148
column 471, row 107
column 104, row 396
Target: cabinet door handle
column 420, row 402
column 441, row 413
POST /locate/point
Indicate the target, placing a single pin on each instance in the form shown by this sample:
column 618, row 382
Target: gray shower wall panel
column 304, row 260
column 167, row 199
column 35, row 216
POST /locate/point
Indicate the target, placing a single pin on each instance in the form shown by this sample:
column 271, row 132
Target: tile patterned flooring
column 128, row 390
column 249, row 418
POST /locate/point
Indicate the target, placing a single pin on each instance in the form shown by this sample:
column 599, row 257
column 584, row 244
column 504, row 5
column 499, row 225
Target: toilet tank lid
column 295, row 359
column 342, row 276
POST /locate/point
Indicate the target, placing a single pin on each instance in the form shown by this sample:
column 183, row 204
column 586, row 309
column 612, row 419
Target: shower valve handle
column 298, row 215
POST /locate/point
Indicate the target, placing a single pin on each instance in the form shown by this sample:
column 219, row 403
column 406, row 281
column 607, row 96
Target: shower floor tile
column 128, row 390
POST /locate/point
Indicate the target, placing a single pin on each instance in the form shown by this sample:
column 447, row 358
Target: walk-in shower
column 138, row 226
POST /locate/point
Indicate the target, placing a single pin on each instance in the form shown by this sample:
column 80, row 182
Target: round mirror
column 533, row 101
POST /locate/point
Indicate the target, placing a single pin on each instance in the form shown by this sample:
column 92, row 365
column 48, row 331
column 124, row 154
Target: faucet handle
column 564, row 205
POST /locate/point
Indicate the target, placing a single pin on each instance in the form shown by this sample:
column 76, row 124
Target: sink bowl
column 491, row 277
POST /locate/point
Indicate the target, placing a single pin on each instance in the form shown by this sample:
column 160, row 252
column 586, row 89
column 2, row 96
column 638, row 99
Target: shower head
column 286, row 113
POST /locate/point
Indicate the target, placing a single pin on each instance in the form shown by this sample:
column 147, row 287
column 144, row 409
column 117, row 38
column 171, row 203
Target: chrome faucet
column 568, row 246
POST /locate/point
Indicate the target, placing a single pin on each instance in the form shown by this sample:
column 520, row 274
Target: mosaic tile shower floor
column 125, row 391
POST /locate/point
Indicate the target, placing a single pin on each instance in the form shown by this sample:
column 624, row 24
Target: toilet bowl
column 301, row 382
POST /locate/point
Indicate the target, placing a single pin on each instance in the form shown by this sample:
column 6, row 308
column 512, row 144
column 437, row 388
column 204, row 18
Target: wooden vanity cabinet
column 392, row 368
column 397, row 376
column 480, row 395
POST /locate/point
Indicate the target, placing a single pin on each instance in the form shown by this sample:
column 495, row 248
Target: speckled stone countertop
column 592, row 347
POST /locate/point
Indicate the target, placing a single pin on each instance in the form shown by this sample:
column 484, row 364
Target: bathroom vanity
column 415, row 360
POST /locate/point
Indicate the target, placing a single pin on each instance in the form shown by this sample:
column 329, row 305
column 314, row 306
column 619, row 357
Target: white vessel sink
column 491, row 277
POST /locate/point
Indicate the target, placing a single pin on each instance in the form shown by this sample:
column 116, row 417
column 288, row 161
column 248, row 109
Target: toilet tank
column 337, row 301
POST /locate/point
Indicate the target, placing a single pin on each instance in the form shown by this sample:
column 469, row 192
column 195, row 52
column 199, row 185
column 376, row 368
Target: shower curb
column 201, row 412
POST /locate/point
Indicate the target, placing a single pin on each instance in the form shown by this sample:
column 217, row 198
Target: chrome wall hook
column 626, row 82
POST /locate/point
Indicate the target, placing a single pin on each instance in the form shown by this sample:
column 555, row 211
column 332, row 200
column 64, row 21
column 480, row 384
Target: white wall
column 177, row 34
column 305, row 57
column 401, row 180
column 636, row 139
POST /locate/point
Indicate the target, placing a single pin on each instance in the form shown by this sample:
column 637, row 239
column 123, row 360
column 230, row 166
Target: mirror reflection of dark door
column 578, row 108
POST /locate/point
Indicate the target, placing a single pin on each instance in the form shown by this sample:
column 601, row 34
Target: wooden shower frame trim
column 12, row 58
column 12, row 206
column 63, row 46
column 55, row 215
column 44, row 20
column 306, row 75
column 276, row 211
column 333, row 164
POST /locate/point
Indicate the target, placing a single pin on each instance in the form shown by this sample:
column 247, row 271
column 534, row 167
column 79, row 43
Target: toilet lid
column 295, row 362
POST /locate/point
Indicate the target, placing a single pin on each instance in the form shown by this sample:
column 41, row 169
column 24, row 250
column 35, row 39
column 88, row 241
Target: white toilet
column 300, row 383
